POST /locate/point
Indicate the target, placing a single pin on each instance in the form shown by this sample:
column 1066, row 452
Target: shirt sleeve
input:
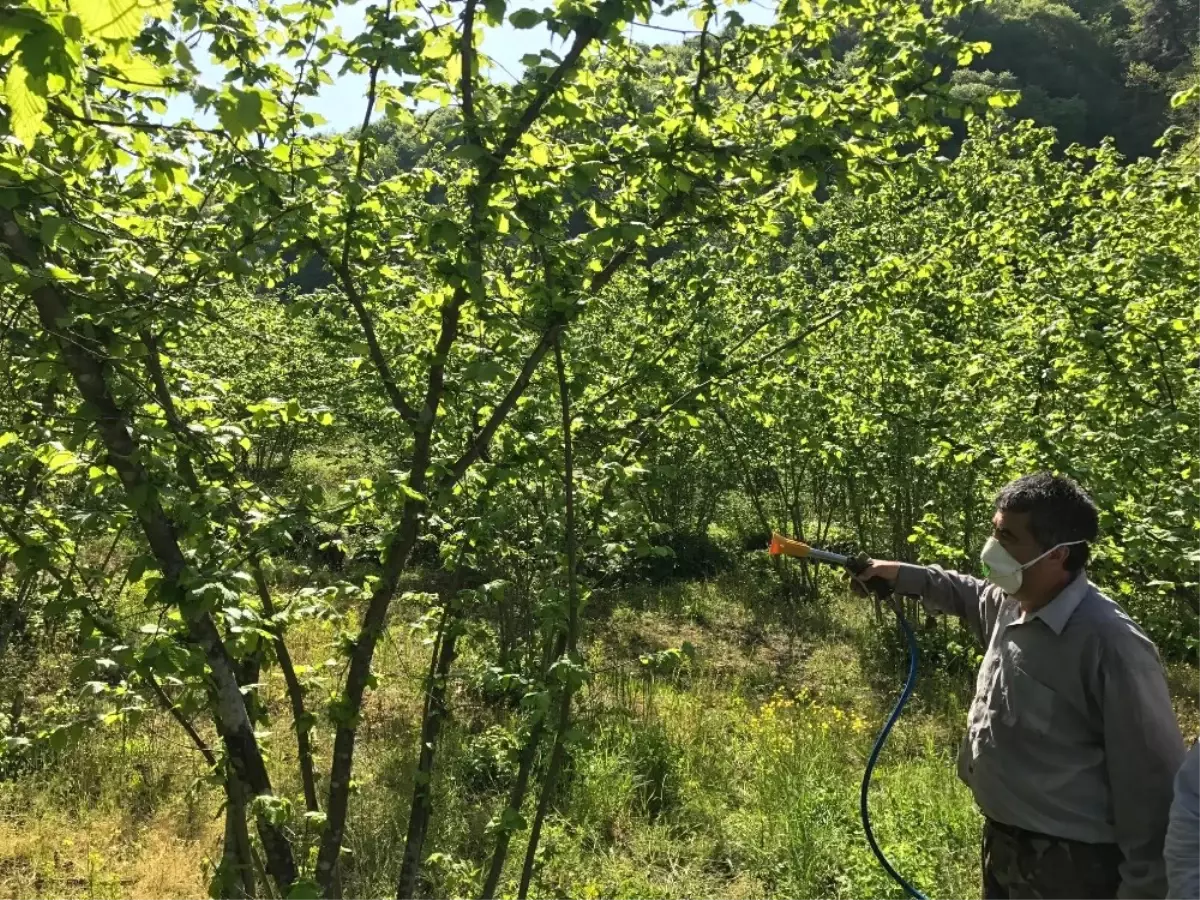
column 953, row 593
column 1182, row 849
column 1143, row 750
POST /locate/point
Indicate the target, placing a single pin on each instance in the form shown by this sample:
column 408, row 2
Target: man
column 1071, row 745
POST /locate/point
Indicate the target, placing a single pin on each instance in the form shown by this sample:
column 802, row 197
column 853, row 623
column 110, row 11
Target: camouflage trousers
column 1025, row 864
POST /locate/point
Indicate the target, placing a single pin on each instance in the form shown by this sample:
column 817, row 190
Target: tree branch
column 396, row 555
column 402, row 406
column 352, row 212
column 113, row 634
column 375, row 618
column 503, row 408
column 295, row 691
column 587, row 32
column 701, row 63
column 466, row 80
column 136, row 126
column 751, row 363
column 342, row 268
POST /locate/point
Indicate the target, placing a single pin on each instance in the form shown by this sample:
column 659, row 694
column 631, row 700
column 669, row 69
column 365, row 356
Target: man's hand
column 881, row 568
column 878, row 568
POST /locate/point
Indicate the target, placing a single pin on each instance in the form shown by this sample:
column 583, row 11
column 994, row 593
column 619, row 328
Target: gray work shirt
column 1071, row 732
column 1182, row 850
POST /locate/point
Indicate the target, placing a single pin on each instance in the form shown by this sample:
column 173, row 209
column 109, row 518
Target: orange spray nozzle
column 787, row 546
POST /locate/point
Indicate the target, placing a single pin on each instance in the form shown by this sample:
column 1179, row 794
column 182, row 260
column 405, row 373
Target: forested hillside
column 384, row 512
column 1090, row 69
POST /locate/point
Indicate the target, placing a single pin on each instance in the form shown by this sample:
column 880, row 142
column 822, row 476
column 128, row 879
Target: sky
column 341, row 103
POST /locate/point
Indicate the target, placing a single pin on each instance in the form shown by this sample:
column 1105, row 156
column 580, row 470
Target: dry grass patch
column 102, row 856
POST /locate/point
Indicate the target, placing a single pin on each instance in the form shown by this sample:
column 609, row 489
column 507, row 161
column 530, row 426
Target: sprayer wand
column 855, row 565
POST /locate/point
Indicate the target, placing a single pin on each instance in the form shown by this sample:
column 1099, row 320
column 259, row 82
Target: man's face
column 1012, row 530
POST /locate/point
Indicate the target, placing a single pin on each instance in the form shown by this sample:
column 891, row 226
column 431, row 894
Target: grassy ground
column 736, row 776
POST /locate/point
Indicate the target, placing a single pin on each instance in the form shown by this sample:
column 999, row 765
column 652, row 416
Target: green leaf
column 10, row 36
column 275, row 810
column 116, row 20
column 511, row 820
column 304, row 890
column 58, row 273
column 1184, row 97
column 138, row 567
column 341, row 712
column 72, row 27
column 411, row 494
column 62, row 462
column 525, row 18
column 437, row 47
column 493, row 11
column 8, row 437
column 26, row 98
column 136, row 68
column 184, row 56
column 242, row 112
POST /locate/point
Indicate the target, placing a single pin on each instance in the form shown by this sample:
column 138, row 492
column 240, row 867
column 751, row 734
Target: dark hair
column 1059, row 511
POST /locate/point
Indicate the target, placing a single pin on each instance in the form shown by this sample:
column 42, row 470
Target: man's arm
column 1182, row 849
column 1143, row 750
column 941, row 591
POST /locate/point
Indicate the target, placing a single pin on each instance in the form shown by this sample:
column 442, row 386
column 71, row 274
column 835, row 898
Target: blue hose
column 914, row 655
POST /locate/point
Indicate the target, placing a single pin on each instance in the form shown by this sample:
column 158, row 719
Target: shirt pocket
column 1030, row 703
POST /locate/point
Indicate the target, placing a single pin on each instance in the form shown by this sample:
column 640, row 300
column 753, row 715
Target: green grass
column 735, row 777
column 743, row 780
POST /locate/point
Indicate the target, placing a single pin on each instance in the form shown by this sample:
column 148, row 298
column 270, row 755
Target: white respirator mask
column 1004, row 571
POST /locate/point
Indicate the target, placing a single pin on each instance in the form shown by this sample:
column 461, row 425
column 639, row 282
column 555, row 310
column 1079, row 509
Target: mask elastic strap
column 1051, row 550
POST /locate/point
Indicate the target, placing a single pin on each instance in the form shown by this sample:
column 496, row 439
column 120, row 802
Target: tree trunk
column 548, row 786
column 86, row 364
column 301, row 720
column 517, row 798
column 435, row 714
column 515, row 801
column 236, row 875
column 568, row 688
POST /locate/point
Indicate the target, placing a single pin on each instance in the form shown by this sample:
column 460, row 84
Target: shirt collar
column 1059, row 610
